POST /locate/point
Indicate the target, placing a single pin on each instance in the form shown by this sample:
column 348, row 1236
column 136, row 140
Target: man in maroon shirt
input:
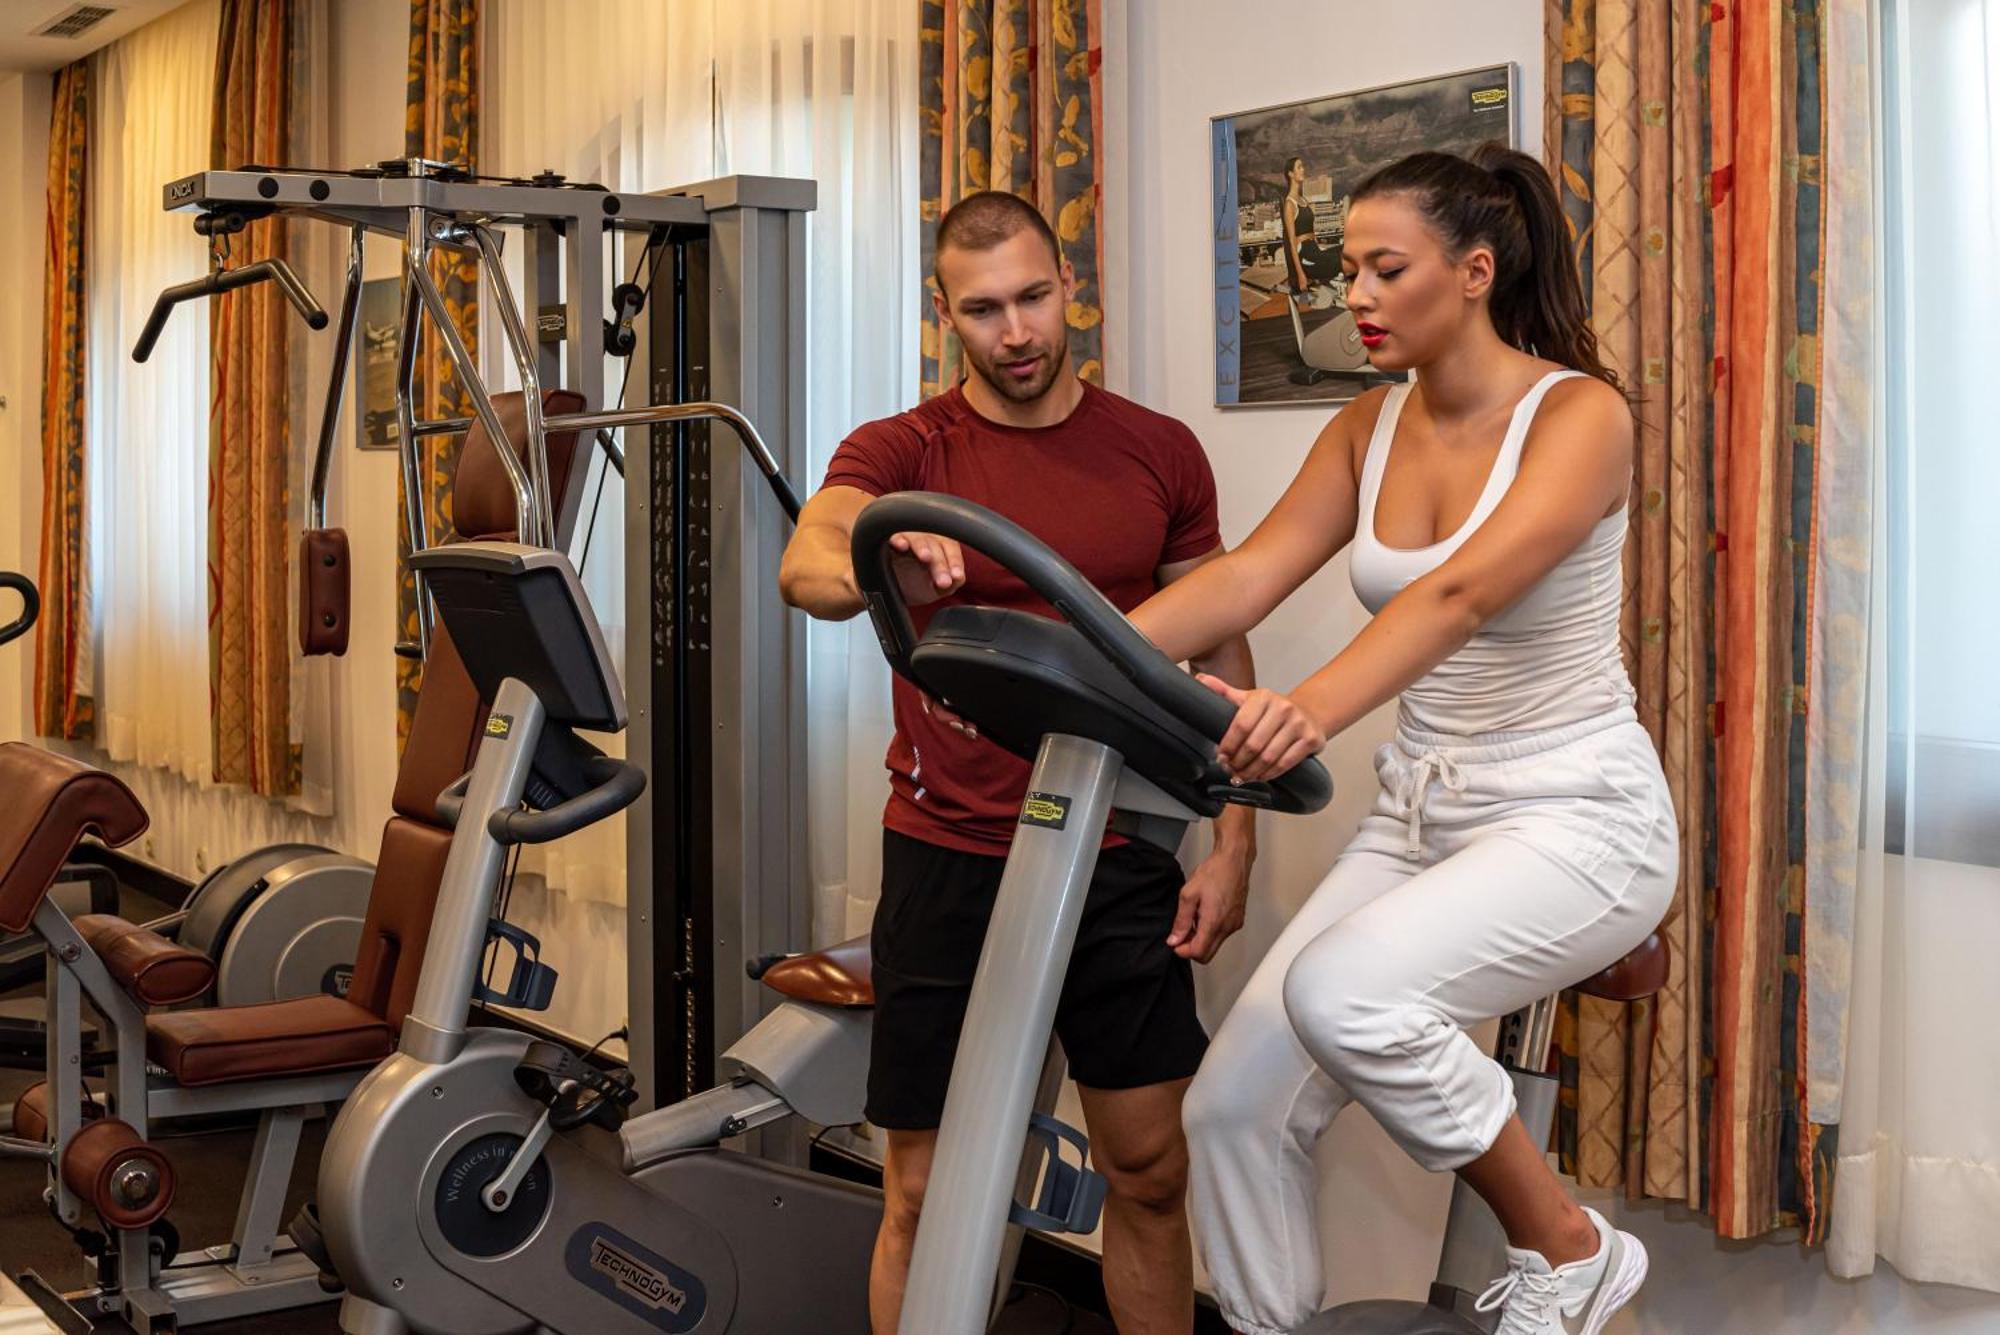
column 1126, row 496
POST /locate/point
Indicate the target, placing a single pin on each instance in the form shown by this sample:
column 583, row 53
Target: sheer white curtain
column 835, row 99
column 656, row 93
column 1918, row 1182
column 148, row 424
column 592, row 91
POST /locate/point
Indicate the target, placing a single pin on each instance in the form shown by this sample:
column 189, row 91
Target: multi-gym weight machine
column 714, row 669
column 714, row 673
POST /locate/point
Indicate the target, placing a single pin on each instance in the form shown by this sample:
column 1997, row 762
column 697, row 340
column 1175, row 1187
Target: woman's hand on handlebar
column 928, row 567
column 1269, row 735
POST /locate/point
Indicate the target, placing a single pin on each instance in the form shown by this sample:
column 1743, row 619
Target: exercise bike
column 479, row 1181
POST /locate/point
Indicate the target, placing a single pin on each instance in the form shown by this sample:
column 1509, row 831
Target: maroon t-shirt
column 1116, row 489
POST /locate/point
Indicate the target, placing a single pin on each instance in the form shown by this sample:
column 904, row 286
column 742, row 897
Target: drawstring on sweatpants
column 1431, row 766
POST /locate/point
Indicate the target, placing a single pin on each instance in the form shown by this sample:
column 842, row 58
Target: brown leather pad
column 47, row 803
column 152, row 969
column 325, row 580
column 393, row 936
column 91, row 1161
column 219, row 1044
column 31, row 1112
column 444, row 732
column 482, row 497
column 841, row 975
column 1641, row 974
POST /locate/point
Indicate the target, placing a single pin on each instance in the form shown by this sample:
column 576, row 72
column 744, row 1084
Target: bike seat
column 840, row 975
column 1640, row 974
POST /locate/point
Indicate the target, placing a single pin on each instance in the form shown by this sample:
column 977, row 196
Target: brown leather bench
column 47, row 803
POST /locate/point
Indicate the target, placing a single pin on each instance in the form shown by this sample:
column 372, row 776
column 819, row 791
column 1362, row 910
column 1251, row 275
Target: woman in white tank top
column 1523, row 838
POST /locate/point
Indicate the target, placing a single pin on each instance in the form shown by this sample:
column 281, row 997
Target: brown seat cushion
column 47, row 803
column 482, row 497
column 390, row 958
column 273, row 1038
column 841, row 975
column 154, row 970
column 444, row 732
column 1640, row 974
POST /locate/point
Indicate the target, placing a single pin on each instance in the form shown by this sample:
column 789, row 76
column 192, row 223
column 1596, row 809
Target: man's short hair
column 984, row 220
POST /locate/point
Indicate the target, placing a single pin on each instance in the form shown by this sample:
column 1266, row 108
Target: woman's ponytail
column 1542, row 308
column 1507, row 201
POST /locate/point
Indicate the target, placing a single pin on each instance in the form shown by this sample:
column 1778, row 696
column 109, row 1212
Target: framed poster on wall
column 1282, row 176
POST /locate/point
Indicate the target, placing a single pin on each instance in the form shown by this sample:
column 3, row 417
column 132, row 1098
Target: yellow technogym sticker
column 498, row 725
column 1045, row 809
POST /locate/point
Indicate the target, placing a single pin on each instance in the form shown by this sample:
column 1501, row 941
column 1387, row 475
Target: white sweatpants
column 1491, row 872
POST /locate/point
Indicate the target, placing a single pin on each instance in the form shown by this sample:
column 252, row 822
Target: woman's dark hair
column 1504, row 200
column 1293, row 161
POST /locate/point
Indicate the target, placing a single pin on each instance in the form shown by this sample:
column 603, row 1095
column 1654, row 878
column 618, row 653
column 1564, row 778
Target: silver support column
column 1006, row 1034
column 755, row 793
column 261, row 1209
column 434, row 1030
column 541, row 290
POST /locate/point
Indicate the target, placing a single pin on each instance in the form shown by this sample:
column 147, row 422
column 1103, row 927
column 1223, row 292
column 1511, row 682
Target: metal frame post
column 748, row 859
column 1004, row 1042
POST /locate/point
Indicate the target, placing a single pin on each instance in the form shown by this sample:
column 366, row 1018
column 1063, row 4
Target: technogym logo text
column 669, row 1297
column 636, row 1278
column 1048, row 810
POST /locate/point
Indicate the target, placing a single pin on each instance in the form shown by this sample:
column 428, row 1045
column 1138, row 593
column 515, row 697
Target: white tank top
column 1549, row 661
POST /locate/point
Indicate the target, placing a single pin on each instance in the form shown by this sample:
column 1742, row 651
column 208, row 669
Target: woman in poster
column 1311, row 264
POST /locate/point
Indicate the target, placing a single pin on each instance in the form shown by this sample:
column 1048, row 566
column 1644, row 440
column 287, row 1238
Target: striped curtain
column 440, row 122
column 249, row 503
column 1626, row 122
column 1010, row 101
column 1686, row 135
column 63, row 702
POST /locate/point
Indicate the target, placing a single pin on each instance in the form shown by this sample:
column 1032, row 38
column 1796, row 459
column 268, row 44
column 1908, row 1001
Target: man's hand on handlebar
column 944, row 714
column 927, row 567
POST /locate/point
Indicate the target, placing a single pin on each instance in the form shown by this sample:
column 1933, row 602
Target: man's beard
column 1025, row 391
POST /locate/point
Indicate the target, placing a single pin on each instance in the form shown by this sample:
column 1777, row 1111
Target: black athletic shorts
column 1126, row 1016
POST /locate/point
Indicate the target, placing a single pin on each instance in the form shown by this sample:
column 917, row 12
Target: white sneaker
column 1574, row 1299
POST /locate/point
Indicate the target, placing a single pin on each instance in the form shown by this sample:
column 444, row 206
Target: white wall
column 1173, row 64
column 24, row 153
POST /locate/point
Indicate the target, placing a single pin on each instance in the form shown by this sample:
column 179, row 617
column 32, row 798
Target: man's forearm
column 817, row 576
